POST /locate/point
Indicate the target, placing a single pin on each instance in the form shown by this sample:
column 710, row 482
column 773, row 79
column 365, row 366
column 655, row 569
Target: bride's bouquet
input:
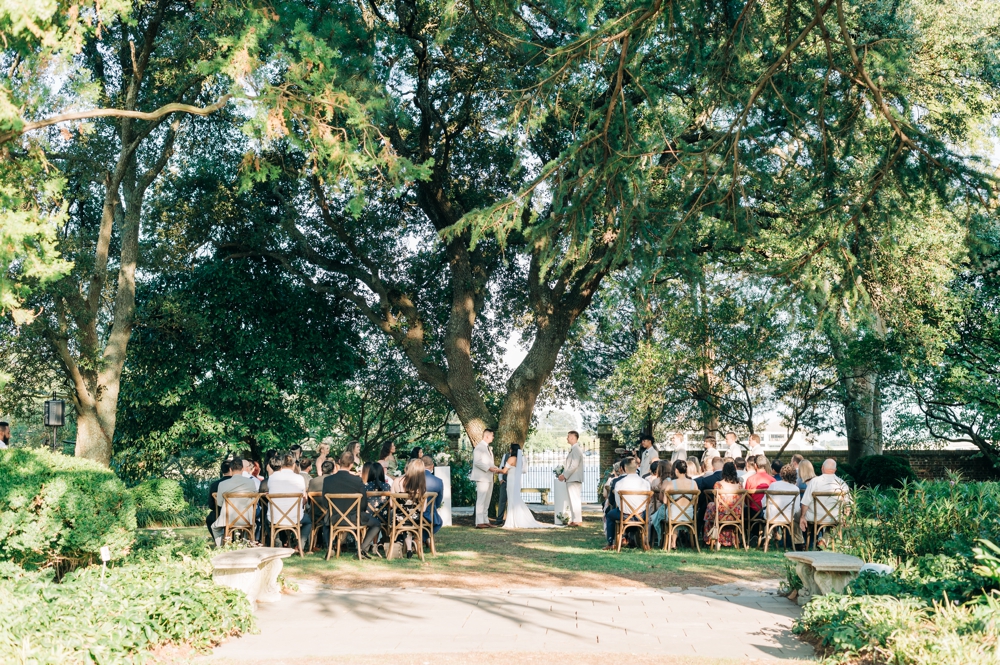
column 558, row 471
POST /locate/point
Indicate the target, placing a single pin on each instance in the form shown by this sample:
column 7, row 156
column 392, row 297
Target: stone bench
column 542, row 491
column 824, row 572
column 253, row 570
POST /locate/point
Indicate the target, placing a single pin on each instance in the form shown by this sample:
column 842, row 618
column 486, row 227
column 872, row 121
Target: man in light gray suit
column 483, row 468
column 572, row 475
column 235, row 484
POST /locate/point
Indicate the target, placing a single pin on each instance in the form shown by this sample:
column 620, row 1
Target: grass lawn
column 495, row 558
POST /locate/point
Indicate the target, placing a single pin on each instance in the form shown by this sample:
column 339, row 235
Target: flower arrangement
column 558, row 471
column 442, row 459
column 564, row 517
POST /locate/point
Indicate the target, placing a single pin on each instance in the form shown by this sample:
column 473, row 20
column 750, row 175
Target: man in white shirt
column 631, row 481
column 778, row 506
column 286, row 481
column 235, row 484
column 827, row 482
column 648, row 453
column 755, row 447
column 710, row 451
column 733, row 448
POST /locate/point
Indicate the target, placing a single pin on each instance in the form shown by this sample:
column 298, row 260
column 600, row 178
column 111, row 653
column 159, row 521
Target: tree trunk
column 862, row 398
column 95, row 429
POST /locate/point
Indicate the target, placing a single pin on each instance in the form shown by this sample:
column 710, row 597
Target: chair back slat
column 240, row 509
column 778, row 511
column 633, row 506
column 825, row 511
column 281, row 516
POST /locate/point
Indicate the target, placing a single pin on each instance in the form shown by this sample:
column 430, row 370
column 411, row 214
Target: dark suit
column 212, row 489
column 502, row 502
column 434, row 484
column 345, row 482
column 706, row 483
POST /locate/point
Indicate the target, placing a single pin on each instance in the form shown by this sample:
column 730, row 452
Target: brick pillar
column 606, row 446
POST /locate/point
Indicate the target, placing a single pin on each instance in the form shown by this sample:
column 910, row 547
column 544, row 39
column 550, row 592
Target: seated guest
column 707, row 467
column 376, row 483
column 805, row 473
column 344, row 482
column 694, row 467
column 433, row 484
column 236, row 483
column 286, row 481
column 755, row 447
column 653, row 466
column 779, row 505
column 316, row 484
column 796, row 459
column 727, row 501
column 414, row 486
column 305, row 469
column 757, row 483
column 225, row 472
column 707, row 480
column 657, row 484
column 682, row 507
column 828, row 481
column 741, row 468
column 776, row 469
column 629, row 481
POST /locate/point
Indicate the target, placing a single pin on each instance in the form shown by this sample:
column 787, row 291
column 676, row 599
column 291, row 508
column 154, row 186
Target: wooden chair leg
column 357, row 541
column 329, row 544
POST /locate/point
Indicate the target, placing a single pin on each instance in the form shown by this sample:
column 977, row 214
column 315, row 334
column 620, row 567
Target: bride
column 518, row 514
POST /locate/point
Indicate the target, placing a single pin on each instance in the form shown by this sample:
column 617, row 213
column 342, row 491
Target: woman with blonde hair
column 806, row 473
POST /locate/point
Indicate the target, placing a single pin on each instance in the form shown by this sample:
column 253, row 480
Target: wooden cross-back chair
column 381, row 512
column 344, row 521
column 827, row 509
column 687, row 515
column 240, row 509
column 779, row 515
column 729, row 508
column 405, row 519
column 318, row 511
column 289, row 519
column 634, row 515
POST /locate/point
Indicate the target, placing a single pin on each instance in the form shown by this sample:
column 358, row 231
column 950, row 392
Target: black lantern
column 453, row 429
column 55, row 413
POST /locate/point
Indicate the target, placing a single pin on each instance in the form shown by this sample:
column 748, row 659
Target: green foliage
column 939, row 578
column 160, row 501
column 988, row 558
column 904, row 631
column 162, row 595
column 883, row 471
column 922, row 518
column 59, row 510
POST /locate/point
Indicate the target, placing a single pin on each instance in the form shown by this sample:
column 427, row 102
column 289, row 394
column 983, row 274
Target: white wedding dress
column 518, row 514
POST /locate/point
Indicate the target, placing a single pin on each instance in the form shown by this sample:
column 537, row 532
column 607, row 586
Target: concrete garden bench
column 824, row 572
column 543, row 492
column 254, row 571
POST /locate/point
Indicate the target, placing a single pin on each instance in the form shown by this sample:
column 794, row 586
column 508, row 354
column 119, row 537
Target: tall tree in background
column 550, row 144
column 149, row 71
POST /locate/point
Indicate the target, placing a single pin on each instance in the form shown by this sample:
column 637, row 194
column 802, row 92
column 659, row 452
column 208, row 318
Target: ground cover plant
column 160, row 501
column 161, row 595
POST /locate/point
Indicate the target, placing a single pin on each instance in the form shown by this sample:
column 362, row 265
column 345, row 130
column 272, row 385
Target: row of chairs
column 731, row 511
column 396, row 516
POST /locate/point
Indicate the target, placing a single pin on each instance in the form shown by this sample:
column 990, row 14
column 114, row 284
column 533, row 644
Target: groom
column 483, row 468
column 572, row 475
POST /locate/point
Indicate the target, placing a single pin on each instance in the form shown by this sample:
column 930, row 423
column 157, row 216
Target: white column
column 560, row 501
column 444, row 473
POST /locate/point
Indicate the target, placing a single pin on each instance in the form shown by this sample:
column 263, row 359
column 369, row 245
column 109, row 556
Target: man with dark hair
column 286, row 481
column 305, row 464
column 4, row 434
column 345, row 482
column 483, row 468
column 648, row 454
column 214, row 489
column 316, row 484
column 710, row 450
column 434, row 484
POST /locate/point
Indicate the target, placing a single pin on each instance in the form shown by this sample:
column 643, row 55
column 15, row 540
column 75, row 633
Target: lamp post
column 54, row 417
column 453, row 431
column 606, row 445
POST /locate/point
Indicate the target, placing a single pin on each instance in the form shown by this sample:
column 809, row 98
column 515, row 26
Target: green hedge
column 161, row 501
column 60, row 510
column 154, row 599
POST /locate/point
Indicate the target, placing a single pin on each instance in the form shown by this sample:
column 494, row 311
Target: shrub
column 931, row 578
column 156, row 598
column 923, row 518
column 904, row 631
column 59, row 510
column 463, row 490
column 161, row 501
column 883, row 471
